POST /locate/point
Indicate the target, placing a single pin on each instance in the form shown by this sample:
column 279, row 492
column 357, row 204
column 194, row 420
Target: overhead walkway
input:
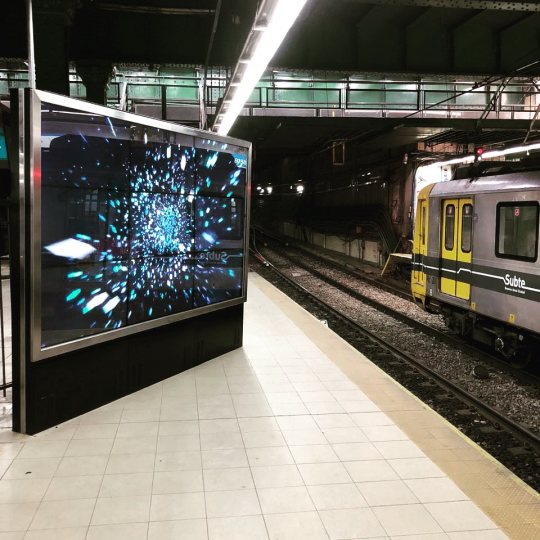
column 175, row 94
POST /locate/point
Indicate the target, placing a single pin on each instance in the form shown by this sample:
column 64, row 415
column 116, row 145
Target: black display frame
column 34, row 140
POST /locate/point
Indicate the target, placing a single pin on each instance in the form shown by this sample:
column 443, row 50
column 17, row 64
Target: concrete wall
column 362, row 249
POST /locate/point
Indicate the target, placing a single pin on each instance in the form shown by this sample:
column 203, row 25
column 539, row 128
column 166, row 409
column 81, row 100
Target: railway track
column 352, row 270
column 477, row 352
column 509, row 441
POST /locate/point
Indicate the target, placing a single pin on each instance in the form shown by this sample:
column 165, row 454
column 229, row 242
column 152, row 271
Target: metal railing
column 291, row 92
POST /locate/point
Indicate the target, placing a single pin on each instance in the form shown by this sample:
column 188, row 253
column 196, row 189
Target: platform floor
column 296, row 436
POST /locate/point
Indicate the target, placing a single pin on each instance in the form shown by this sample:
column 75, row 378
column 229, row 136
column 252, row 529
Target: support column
column 51, row 20
column 96, row 76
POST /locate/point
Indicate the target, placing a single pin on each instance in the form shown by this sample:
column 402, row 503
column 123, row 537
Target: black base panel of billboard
column 66, row 386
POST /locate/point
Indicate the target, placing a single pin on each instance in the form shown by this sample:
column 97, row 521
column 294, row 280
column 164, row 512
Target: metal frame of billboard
column 30, row 232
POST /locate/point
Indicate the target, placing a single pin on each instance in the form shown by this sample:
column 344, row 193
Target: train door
column 420, row 244
column 456, row 247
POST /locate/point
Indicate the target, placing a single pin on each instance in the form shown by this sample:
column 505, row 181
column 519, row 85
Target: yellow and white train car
column 475, row 259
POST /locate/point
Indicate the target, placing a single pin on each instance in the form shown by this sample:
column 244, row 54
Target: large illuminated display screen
column 138, row 223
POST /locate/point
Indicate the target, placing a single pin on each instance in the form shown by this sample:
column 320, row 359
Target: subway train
column 475, row 260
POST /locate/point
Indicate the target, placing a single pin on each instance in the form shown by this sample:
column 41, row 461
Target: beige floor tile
column 277, row 476
column 217, row 441
column 459, row 516
column 243, row 502
column 275, row 455
column 140, row 415
column 357, row 451
column 303, row 437
column 345, row 435
column 43, row 449
column 406, row 519
column 219, row 426
column 180, row 427
column 295, row 526
column 89, row 447
column 237, row 528
column 177, row 482
column 285, row 500
column 351, row 523
column 123, row 531
column 494, row 534
column 416, row 468
column 185, row 529
column 387, row 493
column 69, row 533
column 38, row 468
column 336, row 496
column 125, row 485
column 324, row 473
column 177, row 506
column 134, row 445
column 178, row 443
column 178, row 461
column 59, row 514
column 227, row 457
column 138, row 429
column 96, row 431
column 10, row 450
column 398, row 449
column 370, row 471
column 261, row 439
column 248, row 425
column 16, row 516
column 82, row 466
column 315, row 453
column 228, row 479
column 110, row 510
column 435, row 490
column 73, row 487
column 23, row 490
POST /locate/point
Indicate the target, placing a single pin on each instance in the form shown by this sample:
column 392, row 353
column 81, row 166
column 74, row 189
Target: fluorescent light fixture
column 491, row 154
column 279, row 23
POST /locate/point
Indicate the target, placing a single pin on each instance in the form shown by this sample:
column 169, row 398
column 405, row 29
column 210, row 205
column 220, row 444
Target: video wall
column 137, row 223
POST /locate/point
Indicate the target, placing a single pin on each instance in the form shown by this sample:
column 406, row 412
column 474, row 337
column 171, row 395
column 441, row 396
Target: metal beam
column 154, row 10
column 459, row 4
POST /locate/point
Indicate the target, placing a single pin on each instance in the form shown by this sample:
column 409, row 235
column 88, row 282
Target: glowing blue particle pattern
column 136, row 225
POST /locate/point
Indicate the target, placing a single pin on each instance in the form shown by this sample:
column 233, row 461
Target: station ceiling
column 412, row 37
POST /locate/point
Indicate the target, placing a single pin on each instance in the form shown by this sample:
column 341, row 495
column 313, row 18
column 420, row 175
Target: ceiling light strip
column 264, row 40
column 490, row 154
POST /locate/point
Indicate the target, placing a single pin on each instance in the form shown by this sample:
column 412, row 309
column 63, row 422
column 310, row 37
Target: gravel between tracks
column 501, row 390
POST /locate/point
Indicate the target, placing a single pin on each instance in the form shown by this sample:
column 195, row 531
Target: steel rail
column 450, row 339
column 524, row 435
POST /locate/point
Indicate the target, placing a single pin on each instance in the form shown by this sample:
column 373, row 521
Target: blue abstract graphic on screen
column 136, row 224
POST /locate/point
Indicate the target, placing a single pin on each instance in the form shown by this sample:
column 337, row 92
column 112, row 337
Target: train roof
column 518, row 181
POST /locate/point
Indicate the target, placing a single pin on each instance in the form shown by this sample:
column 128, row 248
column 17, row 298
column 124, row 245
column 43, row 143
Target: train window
column 466, row 228
column 517, row 230
column 449, row 221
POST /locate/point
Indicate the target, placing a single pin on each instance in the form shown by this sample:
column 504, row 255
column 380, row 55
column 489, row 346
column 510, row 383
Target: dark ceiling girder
column 108, row 6
column 459, row 4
